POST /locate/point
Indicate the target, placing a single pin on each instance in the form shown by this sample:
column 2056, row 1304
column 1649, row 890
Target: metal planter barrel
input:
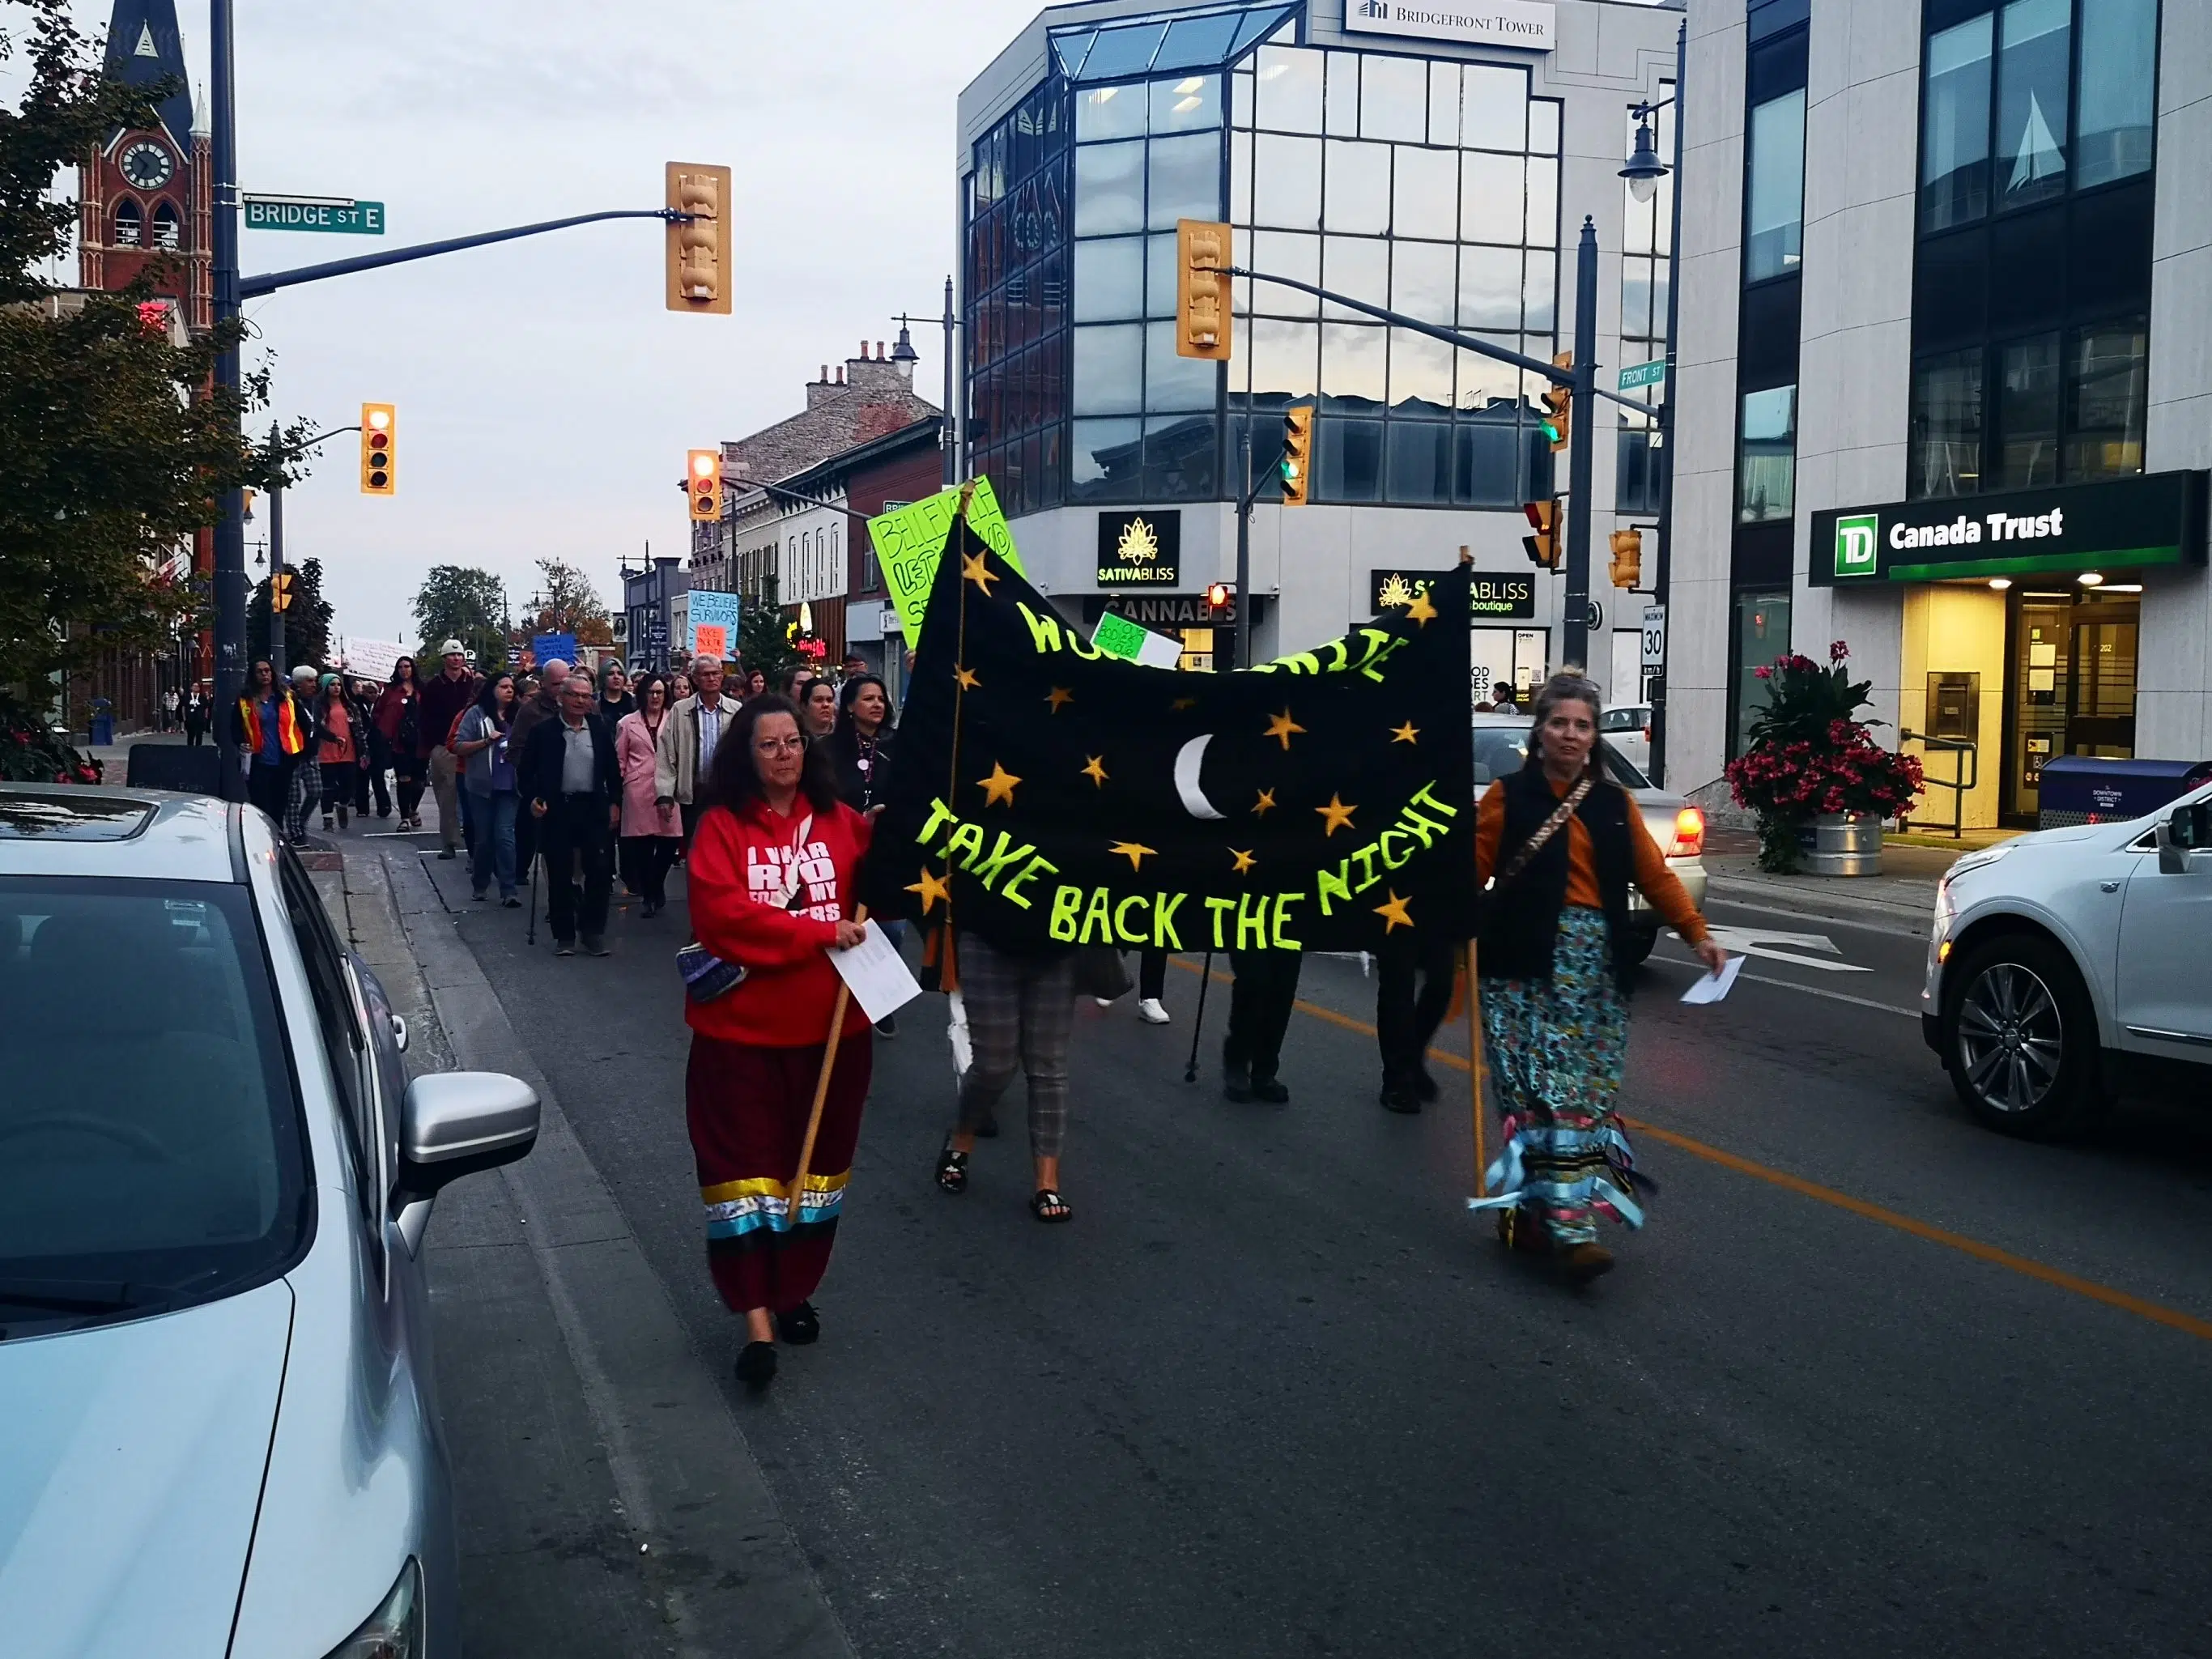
column 1840, row 844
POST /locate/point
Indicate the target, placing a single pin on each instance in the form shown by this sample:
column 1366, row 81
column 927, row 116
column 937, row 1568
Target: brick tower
column 148, row 192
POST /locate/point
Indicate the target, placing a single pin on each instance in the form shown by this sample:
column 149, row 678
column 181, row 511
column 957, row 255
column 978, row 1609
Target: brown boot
column 1522, row 1233
column 1587, row 1261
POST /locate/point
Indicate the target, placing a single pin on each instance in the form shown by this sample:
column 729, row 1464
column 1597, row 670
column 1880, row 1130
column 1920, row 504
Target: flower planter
column 1840, row 844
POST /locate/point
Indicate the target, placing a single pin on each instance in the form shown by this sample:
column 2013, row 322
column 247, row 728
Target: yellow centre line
column 2157, row 1313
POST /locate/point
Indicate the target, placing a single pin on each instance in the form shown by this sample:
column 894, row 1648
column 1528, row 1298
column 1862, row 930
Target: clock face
column 147, row 165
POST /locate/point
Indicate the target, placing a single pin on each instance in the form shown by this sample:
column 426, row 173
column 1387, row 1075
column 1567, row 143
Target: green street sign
column 335, row 217
column 1642, row 374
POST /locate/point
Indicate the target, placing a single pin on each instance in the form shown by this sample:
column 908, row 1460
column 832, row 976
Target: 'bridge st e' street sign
column 333, row 215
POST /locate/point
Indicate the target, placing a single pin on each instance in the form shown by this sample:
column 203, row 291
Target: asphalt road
column 1873, row 1380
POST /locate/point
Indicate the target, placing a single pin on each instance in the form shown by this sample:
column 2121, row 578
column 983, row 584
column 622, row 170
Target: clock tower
column 148, row 193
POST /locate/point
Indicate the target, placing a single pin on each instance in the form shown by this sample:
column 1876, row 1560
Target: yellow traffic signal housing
column 702, row 483
column 1544, row 546
column 1201, row 290
column 1298, row 454
column 1558, row 407
column 1627, row 569
column 280, row 591
column 699, row 248
column 380, row 427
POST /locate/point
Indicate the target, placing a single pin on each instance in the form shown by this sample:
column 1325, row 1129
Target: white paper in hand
column 878, row 973
column 1714, row 986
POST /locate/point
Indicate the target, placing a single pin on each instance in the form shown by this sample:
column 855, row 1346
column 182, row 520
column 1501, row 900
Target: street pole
column 949, row 432
column 276, row 568
column 1663, row 574
column 1244, row 547
column 1576, row 647
column 230, row 526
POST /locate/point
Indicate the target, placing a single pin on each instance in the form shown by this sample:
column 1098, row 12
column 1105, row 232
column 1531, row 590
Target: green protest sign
column 909, row 541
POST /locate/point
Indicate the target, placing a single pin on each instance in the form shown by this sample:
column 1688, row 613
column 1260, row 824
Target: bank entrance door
column 2070, row 686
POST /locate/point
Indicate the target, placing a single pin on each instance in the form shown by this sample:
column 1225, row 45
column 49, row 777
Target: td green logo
column 1857, row 540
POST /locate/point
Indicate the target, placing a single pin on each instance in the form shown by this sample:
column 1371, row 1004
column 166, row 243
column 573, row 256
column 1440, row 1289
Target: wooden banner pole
column 1474, row 1073
column 794, row 1199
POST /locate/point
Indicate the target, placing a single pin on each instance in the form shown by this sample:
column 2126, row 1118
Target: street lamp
column 1645, row 169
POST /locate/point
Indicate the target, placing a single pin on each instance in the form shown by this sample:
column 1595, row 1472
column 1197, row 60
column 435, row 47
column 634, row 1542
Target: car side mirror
column 456, row 1124
column 2188, row 831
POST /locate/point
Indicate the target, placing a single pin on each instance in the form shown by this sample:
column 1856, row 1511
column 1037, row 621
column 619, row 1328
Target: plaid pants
column 1021, row 1011
column 306, row 788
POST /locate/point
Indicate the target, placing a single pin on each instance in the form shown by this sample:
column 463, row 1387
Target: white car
column 1627, row 727
column 2071, row 962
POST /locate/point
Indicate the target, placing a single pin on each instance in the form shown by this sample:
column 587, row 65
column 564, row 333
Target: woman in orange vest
column 266, row 724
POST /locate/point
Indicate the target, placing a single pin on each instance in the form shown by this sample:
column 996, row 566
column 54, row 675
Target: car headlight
column 394, row 1631
column 1980, row 860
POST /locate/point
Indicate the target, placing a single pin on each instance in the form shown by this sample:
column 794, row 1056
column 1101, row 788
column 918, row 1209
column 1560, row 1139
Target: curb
column 1842, row 905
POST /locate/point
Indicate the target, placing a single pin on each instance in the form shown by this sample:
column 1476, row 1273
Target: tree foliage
column 115, row 446
column 463, row 603
column 764, row 638
column 307, row 620
column 567, row 603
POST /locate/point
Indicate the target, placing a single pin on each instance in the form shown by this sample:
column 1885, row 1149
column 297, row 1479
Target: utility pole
column 230, row 526
column 949, row 432
column 1577, row 604
column 1662, row 576
column 1244, row 547
column 276, row 562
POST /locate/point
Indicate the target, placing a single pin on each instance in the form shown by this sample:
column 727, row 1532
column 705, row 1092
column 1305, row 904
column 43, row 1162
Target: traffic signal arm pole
column 253, row 288
column 1575, row 604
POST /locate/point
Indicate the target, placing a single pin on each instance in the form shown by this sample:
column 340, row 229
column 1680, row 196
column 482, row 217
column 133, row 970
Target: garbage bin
column 103, row 722
column 2085, row 789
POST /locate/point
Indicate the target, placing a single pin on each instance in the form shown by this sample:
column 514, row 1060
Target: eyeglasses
column 780, row 745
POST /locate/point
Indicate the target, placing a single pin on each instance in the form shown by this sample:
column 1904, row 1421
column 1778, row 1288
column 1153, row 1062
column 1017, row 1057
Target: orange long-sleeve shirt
column 1660, row 885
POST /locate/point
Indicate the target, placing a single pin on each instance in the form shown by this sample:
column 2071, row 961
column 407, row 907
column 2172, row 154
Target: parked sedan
column 2067, row 963
column 1627, row 727
column 222, row 1428
column 1501, row 745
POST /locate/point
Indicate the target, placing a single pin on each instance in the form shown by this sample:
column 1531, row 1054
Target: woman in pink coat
column 651, row 833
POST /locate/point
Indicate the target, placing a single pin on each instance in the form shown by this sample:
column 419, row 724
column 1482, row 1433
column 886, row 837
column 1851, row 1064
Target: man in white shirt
column 684, row 755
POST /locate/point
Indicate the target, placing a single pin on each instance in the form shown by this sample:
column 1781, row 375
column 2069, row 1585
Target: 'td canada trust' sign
column 2157, row 518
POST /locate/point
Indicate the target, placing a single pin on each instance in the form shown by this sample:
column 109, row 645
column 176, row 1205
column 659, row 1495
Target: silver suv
column 221, row 1433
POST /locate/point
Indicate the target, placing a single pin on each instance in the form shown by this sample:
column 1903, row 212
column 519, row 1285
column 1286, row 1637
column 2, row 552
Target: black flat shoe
column 1397, row 1099
column 757, row 1365
column 1269, row 1090
column 952, row 1170
column 799, row 1326
column 1048, row 1206
column 1236, row 1083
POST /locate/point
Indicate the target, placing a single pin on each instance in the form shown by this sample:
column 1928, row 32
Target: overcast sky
column 545, row 398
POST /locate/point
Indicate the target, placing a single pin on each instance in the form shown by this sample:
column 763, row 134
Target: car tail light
column 1689, row 834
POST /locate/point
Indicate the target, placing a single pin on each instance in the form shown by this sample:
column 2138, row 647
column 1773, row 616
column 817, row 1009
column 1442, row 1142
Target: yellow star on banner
column 1060, row 697
column 998, row 789
column 968, row 681
column 971, row 570
column 1421, row 610
column 1281, row 726
column 1406, row 734
column 1135, row 852
column 932, row 887
column 1337, row 813
column 1245, row 861
column 1095, row 769
column 1262, row 807
column 1393, row 913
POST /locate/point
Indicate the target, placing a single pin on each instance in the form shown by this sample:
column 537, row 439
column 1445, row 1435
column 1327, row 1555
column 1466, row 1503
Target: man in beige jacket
column 685, row 753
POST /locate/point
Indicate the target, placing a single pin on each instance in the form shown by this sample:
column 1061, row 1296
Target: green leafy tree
column 463, row 603
column 764, row 639
column 567, row 603
column 115, row 445
column 307, row 620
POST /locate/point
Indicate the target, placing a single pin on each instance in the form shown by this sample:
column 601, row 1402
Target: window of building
column 2115, row 99
column 1774, row 192
column 1760, row 629
column 2033, row 49
column 2107, row 391
column 1954, row 141
column 1946, row 434
column 129, row 224
column 1766, row 457
column 168, row 231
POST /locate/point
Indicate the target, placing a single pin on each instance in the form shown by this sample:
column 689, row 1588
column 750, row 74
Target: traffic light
column 280, row 591
column 379, row 476
column 702, row 482
column 1627, row 557
column 1558, row 407
column 1217, row 600
column 1201, row 290
column 1297, row 453
column 698, row 248
column 1543, row 546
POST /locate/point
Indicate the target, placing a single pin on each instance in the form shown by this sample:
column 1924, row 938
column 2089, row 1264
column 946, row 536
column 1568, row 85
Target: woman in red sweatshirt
column 773, row 869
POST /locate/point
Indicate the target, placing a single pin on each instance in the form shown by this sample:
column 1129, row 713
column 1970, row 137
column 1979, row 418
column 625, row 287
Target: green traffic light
column 1551, row 432
column 1290, row 472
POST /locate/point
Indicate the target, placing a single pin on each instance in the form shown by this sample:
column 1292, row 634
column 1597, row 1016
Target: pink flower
column 1764, row 673
column 1838, row 650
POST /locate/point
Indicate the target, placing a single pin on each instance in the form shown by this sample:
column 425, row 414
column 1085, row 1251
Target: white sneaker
column 1151, row 1013
column 1103, row 1002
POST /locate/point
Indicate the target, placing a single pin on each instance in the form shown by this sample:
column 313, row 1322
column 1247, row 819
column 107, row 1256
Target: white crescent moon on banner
column 1188, row 759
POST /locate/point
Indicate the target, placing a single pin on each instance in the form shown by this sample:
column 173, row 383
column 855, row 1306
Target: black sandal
column 1048, row 1206
column 952, row 1170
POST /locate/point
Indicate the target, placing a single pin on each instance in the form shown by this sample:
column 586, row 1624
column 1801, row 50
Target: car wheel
column 2019, row 1037
column 1636, row 948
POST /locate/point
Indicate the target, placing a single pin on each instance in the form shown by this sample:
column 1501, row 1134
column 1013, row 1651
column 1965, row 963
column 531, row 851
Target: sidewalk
column 608, row 1501
column 1904, row 891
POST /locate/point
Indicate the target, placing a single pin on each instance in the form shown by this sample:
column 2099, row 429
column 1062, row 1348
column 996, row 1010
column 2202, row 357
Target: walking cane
column 796, row 1197
column 1204, row 974
column 1474, row 1073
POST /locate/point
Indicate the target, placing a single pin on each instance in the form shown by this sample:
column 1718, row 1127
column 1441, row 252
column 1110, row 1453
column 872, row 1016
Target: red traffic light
column 1218, row 595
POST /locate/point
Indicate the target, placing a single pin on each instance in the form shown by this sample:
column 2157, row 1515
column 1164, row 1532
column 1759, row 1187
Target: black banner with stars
column 1046, row 795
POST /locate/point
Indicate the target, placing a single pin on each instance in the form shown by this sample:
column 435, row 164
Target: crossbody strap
column 1550, row 827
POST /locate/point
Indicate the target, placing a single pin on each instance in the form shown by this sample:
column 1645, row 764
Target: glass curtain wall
column 1431, row 188
column 2037, row 126
column 1646, row 227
